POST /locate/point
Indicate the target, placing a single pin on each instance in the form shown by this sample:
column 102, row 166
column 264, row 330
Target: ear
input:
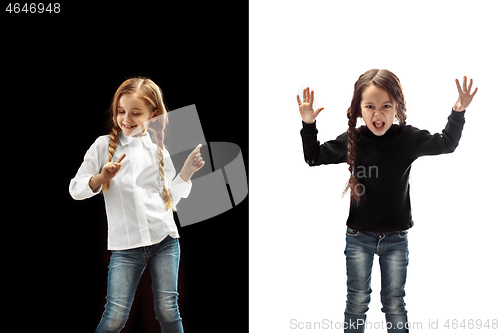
column 155, row 114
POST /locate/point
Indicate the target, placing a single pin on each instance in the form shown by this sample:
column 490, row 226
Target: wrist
column 95, row 181
column 185, row 176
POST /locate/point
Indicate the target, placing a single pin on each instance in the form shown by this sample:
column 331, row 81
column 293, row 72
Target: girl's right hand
column 306, row 109
column 110, row 169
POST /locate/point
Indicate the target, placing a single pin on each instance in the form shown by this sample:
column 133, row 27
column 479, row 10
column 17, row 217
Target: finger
column 197, row 149
column 304, row 95
column 312, row 97
column 308, row 96
column 121, row 158
column 470, row 87
column 318, row 111
column 465, row 83
column 458, row 86
column 298, row 100
column 474, row 93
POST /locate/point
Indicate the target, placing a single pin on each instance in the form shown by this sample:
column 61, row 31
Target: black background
column 60, row 72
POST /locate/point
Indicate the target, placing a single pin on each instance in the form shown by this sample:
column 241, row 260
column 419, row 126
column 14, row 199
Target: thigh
column 164, row 265
column 359, row 261
column 393, row 268
column 394, row 260
column 124, row 272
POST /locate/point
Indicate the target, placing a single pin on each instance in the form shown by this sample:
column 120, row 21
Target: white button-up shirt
column 136, row 211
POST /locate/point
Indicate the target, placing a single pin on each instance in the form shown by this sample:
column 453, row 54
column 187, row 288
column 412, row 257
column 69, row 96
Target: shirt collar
column 145, row 139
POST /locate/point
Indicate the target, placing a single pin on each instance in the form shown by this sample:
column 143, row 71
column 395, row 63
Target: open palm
column 306, row 107
column 464, row 95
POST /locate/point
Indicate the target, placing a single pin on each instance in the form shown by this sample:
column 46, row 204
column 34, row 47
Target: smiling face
column 377, row 109
column 132, row 112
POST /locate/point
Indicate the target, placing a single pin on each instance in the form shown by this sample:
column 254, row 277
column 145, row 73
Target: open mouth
column 379, row 125
column 129, row 126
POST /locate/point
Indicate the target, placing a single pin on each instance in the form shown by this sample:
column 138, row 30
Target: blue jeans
column 392, row 249
column 124, row 272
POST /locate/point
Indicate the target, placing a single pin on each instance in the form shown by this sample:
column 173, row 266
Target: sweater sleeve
column 330, row 152
column 439, row 143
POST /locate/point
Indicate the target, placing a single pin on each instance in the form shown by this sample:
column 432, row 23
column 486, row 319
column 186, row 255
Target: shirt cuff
column 180, row 187
column 82, row 189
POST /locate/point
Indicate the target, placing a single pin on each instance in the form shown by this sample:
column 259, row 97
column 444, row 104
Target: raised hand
column 193, row 163
column 110, row 169
column 464, row 95
column 108, row 172
column 306, row 107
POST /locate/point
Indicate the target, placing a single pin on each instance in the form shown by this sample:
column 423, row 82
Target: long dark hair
column 383, row 79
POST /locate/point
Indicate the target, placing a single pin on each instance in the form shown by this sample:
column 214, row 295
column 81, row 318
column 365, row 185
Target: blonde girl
column 379, row 156
column 135, row 173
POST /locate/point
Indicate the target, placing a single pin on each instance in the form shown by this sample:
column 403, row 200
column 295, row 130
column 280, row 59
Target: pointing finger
column 198, row 147
column 121, row 158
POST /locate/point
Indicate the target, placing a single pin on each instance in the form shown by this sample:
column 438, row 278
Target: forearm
column 95, row 182
column 330, row 152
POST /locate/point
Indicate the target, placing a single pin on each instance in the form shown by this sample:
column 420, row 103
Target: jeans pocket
column 352, row 233
column 403, row 234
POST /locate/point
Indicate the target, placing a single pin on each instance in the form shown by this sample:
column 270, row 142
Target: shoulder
column 413, row 131
column 343, row 137
column 100, row 145
column 102, row 141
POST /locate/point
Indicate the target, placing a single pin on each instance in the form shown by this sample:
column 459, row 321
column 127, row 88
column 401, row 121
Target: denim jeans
column 124, row 272
column 392, row 249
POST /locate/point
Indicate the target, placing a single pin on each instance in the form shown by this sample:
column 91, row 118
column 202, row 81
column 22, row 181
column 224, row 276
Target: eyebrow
column 374, row 103
column 121, row 107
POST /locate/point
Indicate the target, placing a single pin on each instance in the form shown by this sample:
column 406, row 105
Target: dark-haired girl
column 379, row 155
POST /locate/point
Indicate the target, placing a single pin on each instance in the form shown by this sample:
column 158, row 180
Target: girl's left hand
column 194, row 162
column 464, row 96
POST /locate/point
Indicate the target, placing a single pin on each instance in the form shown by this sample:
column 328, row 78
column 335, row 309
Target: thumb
column 318, row 111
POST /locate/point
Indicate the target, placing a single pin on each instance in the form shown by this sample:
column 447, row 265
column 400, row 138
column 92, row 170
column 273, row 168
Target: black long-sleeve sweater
column 383, row 167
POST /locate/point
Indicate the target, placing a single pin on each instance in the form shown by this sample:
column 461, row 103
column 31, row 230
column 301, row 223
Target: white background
column 297, row 214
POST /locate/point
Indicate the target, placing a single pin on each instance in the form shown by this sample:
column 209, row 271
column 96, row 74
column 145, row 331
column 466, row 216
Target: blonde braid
column 169, row 204
column 111, row 151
